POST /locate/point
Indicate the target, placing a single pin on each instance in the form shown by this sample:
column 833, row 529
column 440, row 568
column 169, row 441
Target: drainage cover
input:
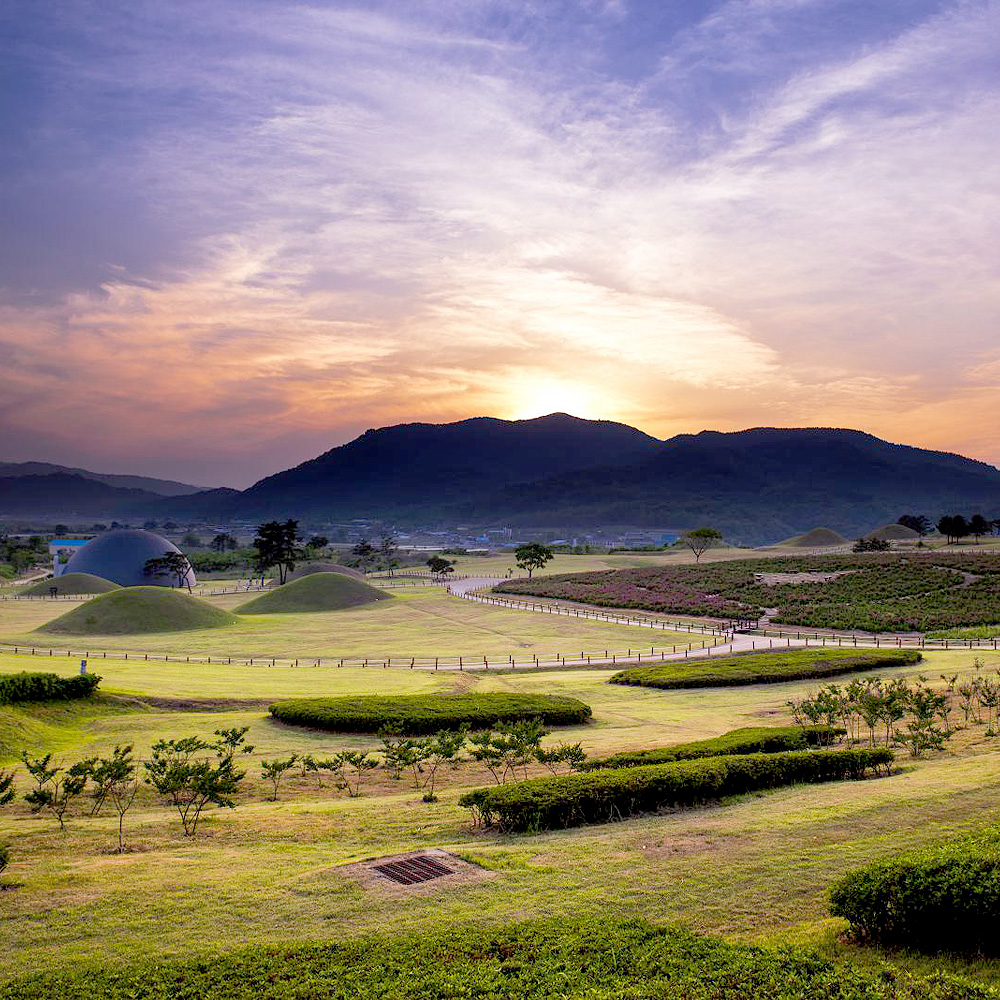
column 412, row 870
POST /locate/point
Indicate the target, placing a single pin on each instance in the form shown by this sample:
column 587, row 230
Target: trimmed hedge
column 601, row 958
column 419, row 714
column 603, row 795
column 45, row 687
column 750, row 739
column 769, row 667
column 931, row 900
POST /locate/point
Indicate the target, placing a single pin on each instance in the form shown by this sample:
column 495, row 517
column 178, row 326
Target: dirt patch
column 690, row 844
column 461, row 873
column 774, row 579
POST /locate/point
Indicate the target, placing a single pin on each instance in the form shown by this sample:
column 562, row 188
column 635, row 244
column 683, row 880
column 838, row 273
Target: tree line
column 952, row 526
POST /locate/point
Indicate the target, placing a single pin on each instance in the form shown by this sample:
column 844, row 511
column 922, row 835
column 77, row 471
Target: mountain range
column 564, row 472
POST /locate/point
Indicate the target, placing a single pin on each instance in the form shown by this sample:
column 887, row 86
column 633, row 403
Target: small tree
column 364, row 553
column 223, row 543
column 7, row 787
column 978, row 526
column 184, row 775
column 532, row 556
column 318, row 542
column 871, row 545
column 388, row 550
column 701, row 540
column 117, row 779
column 916, row 522
column 445, row 747
column 274, row 770
column 440, row 566
column 51, row 791
column 277, row 545
column 171, row 564
column 354, row 765
column 572, row 755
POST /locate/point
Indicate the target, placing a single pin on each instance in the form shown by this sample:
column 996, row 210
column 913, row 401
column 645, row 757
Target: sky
column 236, row 234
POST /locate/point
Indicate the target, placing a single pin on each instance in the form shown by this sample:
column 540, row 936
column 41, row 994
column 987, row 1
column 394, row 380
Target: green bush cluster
column 875, row 592
column 45, row 687
column 604, row 795
column 944, row 899
column 750, row 739
column 424, row 714
column 600, row 959
column 768, row 667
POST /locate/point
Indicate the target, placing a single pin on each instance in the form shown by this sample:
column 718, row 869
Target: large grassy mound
column 769, row 667
column 559, row 957
column 427, row 713
column 818, row 538
column 315, row 592
column 139, row 609
column 320, row 566
column 894, row 533
column 71, row 583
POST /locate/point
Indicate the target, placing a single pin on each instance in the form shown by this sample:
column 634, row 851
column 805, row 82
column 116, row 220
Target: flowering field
column 888, row 592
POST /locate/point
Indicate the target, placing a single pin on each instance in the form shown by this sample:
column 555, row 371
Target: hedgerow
column 604, row 795
column 873, row 592
column 422, row 714
column 750, row 739
column 600, row 959
column 769, row 667
column 45, row 687
column 943, row 899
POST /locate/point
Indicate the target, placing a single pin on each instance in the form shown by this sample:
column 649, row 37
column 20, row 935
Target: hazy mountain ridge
column 757, row 485
column 161, row 487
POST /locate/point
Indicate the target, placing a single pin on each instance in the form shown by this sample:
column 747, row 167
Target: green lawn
column 753, row 869
column 421, row 623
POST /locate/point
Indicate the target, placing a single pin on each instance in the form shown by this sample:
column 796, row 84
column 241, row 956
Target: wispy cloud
column 360, row 216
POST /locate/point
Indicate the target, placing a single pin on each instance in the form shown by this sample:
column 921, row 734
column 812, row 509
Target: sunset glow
column 239, row 234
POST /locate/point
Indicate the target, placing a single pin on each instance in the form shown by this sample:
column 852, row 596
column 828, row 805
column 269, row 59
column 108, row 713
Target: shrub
column 931, row 900
column 603, row 795
column 770, row 667
column 426, row 714
column 4, row 857
column 751, row 739
column 600, row 958
column 45, row 687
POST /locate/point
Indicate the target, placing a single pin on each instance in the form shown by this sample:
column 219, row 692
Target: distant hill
column 67, row 495
column 764, row 484
column 422, row 470
column 162, row 487
column 756, row 486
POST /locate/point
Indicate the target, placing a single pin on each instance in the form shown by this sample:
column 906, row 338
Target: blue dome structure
column 121, row 556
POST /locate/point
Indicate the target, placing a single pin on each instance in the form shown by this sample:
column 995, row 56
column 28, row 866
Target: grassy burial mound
column 419, row 714
column 134, row 610
column 567, row 957
column 944, row 898
column 315, row 592
column 818, row 538
column 749, row 739
column 767, row 667
column 320, row 566
column 70, row 583
column 605, row 795
column 894, row 533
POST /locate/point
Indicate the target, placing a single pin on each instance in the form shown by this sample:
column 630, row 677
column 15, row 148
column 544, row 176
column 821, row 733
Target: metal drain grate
column 413, row 870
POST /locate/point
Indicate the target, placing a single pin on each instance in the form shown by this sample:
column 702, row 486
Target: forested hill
column 757, row 486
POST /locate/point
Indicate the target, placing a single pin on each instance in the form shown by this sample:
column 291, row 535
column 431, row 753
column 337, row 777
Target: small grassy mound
column 599, row 958
column 315, row 592
column 139, row 609
column 894, row 533
column 768, row 667
column 71, row 583
column 818, row 538
column 935, row 899
column 319, row 566
column 749, row 739
column 427, row 713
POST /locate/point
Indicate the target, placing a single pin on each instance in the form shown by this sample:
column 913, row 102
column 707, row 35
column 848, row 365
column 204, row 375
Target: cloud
column 379, row 215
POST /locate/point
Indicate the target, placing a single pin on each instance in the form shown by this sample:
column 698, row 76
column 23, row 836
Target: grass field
column 414, row 623
column 753, row 869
